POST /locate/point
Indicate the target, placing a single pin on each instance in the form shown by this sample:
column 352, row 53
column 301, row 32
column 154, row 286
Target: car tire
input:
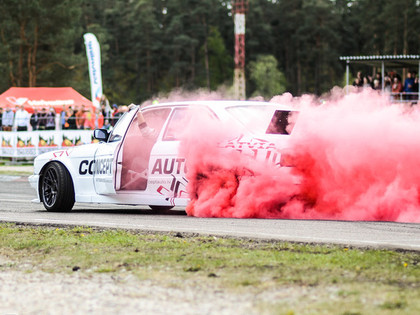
column 56, row 188
column 161, row 208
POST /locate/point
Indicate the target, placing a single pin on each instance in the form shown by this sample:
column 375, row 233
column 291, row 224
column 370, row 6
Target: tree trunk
column 206, row 52
column 9, row 54
column 32, row 51
column 206, row 63
column 148, row 71
column 405, row 32
column 192, row 64
column 19, row 80
column 405, row 41
column 299, row 77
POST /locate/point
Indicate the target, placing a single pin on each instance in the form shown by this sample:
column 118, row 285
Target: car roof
column 218, row 104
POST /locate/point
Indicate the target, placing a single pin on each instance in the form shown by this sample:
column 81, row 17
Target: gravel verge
column 45, row 293
column 29, row 169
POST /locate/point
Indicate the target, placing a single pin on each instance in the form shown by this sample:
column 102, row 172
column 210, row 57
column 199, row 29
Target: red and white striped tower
column 239, row 9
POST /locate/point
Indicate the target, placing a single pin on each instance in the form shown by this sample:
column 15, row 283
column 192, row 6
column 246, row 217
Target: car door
column 167, row 167
column 133, row 157
column 106, row 156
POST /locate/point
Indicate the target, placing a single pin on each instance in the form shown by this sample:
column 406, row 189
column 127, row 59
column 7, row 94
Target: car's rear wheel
column 56, row 189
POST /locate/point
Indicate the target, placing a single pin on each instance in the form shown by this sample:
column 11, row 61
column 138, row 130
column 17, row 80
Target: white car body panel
column 97, row 169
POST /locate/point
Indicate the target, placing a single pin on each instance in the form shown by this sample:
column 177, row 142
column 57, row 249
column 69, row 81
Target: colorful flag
column 93, row 53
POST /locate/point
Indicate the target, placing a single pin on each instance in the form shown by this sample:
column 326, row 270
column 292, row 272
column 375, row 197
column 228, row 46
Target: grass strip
column 304, row 279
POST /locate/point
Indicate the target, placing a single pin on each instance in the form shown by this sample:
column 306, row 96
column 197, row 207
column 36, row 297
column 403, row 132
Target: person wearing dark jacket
column 42, row 119
column 34, row 119
column 71, row 120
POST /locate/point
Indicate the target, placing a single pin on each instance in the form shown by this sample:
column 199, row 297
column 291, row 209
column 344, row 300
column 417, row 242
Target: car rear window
column 264, row 118
column 282, row 122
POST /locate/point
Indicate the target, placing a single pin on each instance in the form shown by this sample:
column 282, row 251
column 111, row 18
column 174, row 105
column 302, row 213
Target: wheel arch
column 42, row 171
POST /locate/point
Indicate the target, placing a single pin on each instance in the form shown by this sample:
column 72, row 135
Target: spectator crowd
column 392, row 84
column 72, row 118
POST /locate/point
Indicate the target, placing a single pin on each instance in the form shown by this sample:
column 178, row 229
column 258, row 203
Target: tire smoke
column 355, row 157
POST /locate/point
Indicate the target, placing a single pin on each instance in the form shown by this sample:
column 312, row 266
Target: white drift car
column 138, row 163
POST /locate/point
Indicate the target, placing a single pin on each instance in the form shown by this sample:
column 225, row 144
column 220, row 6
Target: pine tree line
column 153, row 46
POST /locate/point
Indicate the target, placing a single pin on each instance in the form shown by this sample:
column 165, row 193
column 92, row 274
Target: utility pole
column 239, row 9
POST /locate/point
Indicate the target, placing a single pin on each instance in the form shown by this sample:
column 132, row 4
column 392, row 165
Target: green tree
column 389, row 27
column 288, row 17
column 38, row 41
column 269, row 81
column 219, row 66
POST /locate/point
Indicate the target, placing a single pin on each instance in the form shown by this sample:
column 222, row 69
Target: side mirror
column 101, row 134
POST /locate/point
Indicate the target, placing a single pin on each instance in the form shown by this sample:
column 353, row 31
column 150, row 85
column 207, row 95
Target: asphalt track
column 16, row 206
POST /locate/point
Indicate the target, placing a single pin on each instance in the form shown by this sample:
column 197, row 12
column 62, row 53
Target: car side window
column 156, row 118
column 121, row 127
column 181, row 117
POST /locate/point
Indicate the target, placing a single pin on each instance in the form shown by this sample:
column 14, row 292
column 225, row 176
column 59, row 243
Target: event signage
column 28, row 144
column 93, row 53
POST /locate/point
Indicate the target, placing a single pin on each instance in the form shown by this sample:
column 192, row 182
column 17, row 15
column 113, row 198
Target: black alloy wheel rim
column 49, row 187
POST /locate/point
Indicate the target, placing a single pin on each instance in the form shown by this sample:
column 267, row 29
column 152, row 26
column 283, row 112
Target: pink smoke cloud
column 356, row 157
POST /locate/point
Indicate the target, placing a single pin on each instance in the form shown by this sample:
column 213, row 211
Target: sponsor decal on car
column 177, row 189
column 103, row 166
column 86, row 167
column 170, row 166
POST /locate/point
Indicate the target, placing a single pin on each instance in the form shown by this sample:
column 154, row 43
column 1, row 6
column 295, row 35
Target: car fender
column 73, row 159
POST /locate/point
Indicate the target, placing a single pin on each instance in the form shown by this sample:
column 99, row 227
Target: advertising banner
column 27, row 144
column 43, row 97
column 93, row 53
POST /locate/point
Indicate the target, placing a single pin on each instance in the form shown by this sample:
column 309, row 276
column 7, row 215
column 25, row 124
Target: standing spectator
column 376, row 84
column 366, row 82
column 387, row 83
column 416, row 87
column 106, row 125
column 1, row 116
column 358, row 81
column 63, row 117
column 105, row 108
column 99, row 119
column 397, row 87
column 34, row 119
column 81, row 118
column 378, row 77
column 106, row 111
column 115, row 115
column 90, row 120
column 7, row 119
column 21, row 119
column 50, row 119
column 71, row 119
column 409, row 85
column 67, row 115
column 42, row 119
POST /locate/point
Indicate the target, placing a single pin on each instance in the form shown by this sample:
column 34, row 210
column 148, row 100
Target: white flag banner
column 93, row 53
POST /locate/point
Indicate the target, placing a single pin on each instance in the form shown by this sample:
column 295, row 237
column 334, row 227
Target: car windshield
column 264, row 118
column 122, row 125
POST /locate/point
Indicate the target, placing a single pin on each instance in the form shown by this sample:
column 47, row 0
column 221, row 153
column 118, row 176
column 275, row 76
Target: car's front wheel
column 56, row 188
